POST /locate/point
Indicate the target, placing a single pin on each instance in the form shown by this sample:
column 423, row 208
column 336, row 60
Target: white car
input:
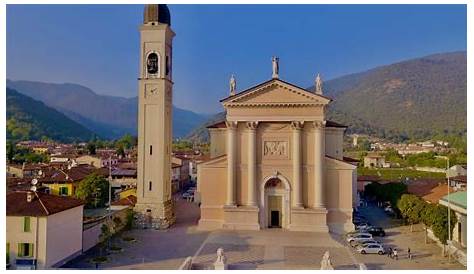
column 365, row 242
column 363, row 227
column 187, row 195
column 357, row 237
column 371, row 249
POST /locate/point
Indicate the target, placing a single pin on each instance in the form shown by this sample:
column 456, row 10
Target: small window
column 25, row 250
column 151, row 149
column 149, row 186
column 8, row 253
column 63, row 191
column 26, row 224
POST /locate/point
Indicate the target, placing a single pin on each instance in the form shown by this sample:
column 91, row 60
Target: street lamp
column 449, row 206
column 110, row 183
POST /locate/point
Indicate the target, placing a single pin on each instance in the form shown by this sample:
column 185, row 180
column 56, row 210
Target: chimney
column 30, row 196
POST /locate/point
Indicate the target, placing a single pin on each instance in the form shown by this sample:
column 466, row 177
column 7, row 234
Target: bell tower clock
column 155, row 208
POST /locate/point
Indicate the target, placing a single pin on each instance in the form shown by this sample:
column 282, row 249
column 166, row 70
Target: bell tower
column 154, row 208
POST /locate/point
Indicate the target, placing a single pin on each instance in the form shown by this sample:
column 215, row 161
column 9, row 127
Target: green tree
column 129, row 219
column 120, row 151
column 91, row 147
column 10, row 151
column 410, row 207
column 104, row 236
column 94, row 190
column 439, row 224
column 126, row 142
column 364, row 145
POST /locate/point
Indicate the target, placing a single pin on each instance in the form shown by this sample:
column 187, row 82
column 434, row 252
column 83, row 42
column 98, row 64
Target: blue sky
column 97, row 45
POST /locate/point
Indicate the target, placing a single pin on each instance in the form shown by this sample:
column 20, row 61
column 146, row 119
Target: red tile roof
column 437, row 193
column 42, row 204
column 74, row 174
column 423, row 187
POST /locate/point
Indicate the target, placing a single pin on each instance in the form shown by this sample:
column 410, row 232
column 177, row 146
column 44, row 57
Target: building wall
column 127, row 192
column 90, row 160
column 218, row 142
column 55, row 237
column 36, row 236
column 64, row 236
column 54, row 188
column 339, row 179
column 16, row 171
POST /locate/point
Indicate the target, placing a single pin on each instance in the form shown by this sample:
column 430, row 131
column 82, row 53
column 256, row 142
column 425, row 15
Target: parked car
column 376, row 231
column 364, row 242
column 371, row 249
column 357, row 237
column 363, row 226
column 187, row 195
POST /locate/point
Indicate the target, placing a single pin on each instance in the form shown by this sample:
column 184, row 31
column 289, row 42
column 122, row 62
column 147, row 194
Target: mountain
column 201, row 134
column 418, row 98
column 108, row 116
column 31, row 119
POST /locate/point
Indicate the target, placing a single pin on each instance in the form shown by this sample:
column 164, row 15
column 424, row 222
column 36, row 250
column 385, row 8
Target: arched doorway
column 275, row 202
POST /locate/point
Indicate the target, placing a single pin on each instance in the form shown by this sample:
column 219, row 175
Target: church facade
column 276, row 162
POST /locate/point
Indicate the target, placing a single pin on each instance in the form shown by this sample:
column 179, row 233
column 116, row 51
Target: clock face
column 152, row 63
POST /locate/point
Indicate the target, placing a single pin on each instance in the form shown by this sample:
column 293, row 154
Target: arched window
column 153, row 63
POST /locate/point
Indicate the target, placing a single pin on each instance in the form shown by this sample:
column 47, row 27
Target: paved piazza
column 266, row 249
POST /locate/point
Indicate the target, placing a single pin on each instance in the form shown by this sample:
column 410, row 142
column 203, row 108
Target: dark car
column 376, row 231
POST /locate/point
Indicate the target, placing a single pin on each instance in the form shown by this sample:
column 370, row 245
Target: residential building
column 458, row 182
column 457, row 170
column 183, row 162
column 62, row 158
column 458, row 203
column 14, row 171
column 98, row 160
column 374, row 160
column 64, row 181
column 42, row 230
column 175, row 177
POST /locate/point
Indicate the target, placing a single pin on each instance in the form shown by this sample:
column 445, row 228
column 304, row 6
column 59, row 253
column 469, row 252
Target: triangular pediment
column 275, row 92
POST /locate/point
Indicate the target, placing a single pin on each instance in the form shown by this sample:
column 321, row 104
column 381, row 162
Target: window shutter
column 20, row 250
column 30, row 250
column 26, row 224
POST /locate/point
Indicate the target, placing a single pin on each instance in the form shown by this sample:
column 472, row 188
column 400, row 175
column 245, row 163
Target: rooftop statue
column 232, row 85
column 275, row 66
column 318, row 85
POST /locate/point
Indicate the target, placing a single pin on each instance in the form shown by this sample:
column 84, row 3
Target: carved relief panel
column 275, row 149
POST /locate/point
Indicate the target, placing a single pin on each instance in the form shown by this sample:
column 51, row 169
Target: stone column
column 297, row 166
column 252, row 163
column 319, row 156
column 231, row 147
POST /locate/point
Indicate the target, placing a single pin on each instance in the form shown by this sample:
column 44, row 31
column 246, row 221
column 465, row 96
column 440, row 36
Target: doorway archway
column 275, row 202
